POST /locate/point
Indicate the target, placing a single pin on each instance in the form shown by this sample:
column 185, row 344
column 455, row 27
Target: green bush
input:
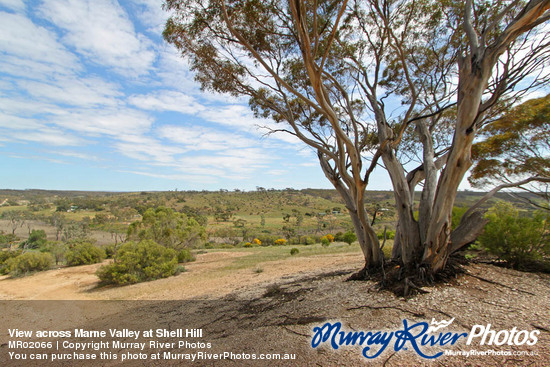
column 514, row 238
column 37, row 238
column 325, row 241
column 390, row 235
column 83, row 254
column 294, row 251
column 56, row 249
column 29, row 262
column 139, row 262
column 456, row 217
column 110, row 251
column 349, row 237
column 4, row 257
column 185, row 256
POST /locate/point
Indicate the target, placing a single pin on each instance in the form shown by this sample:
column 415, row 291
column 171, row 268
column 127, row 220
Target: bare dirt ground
column 275, row 311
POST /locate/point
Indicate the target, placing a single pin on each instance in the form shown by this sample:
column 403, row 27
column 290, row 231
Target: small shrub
column 258, row 270
column 518, row 240
column 29, row 262
column 390, row 235
column 248, row 244
column 267, row 239
column 139, row 262
column 349, row 237
column 307, row 240
column 185, row 256
column 180, row 269
column 37, row 238
column 110, row 251
column 256, row 242
column 57, row 249
column 4, row 257
column 325, row 241
column 280, row 242
column 294, row 251
column 83, row 254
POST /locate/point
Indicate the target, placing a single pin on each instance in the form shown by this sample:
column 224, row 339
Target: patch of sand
column 207, row 277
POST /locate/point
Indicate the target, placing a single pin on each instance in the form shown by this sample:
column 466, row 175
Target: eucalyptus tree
column 516, row 151
column 370, row 83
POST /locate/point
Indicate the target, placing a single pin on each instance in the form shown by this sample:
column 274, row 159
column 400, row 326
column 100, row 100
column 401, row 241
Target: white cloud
column 45, row 135
column 229, row 162
column 29, row 50
column 82, row 92
column 196, row 138
column 72, row 154
column 150, row 14
column 187, row 177
column 18, row 123
column 167, row 101
column 112, row 122
column 236, row 116
column 18, row 106
column 173, row 71
column 101, row 31
column 147, row 150
column 16, row 5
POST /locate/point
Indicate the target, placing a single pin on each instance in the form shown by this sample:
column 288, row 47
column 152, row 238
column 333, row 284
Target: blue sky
column 92, row 98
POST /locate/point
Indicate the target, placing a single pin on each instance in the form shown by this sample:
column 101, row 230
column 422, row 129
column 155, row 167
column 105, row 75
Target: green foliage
column 110, row 250
column 515, row 238
column 83, row 254
column 349, row 237
column 29, row 262
column 185, row 256
column 514, row 145
column 294, row 251
column 458, row 212
column 168, row 228
column 139, row 262
column 390, row 235
column 37, row 238
column 4, row 257
column 325, row 241
column 57, row 249
column 307, row 240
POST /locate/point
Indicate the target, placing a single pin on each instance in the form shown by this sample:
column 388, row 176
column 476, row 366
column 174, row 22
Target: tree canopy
column 168, row 228
column 515, row 146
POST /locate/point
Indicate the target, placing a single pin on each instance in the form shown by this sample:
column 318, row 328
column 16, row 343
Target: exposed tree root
column 499, row 284
column 407, row 281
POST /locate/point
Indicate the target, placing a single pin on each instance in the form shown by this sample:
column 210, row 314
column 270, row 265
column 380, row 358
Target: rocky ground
column 276, row 311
